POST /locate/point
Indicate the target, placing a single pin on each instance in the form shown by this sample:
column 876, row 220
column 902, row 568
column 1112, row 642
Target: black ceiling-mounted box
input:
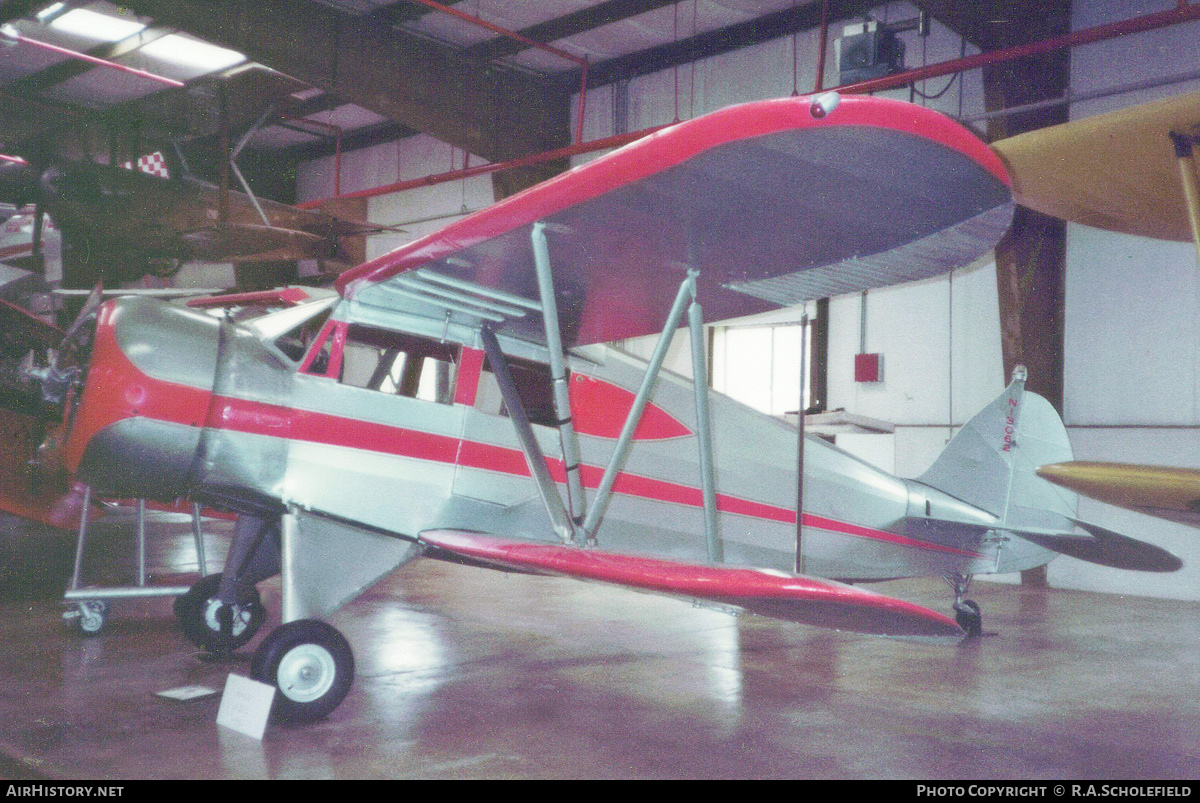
column 868, row 51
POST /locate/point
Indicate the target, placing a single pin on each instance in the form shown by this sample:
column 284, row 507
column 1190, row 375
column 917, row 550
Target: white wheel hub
column 306, row 673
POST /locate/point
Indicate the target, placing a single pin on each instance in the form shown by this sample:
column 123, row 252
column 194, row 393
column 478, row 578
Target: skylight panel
column 192, row 53
column 101, row 27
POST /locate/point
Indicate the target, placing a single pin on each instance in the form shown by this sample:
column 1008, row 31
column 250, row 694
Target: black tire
column 969, row 618
column 311, row 666
column 199, row 613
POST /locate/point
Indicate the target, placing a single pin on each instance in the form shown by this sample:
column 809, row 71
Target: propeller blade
column 38, row 234
column 94, row 300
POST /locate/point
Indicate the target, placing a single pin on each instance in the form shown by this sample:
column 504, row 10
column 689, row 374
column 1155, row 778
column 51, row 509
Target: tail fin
column 991, row 461
column 992, row 464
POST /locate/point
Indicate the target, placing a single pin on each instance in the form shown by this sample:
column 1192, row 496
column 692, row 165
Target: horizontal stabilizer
column 780, row 595
column 1106, row 548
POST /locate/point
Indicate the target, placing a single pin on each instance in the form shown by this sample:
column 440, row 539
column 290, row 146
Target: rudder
column 991, row 461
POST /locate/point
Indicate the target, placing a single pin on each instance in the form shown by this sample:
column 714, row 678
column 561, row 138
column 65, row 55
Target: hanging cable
column 692, row 92
column 962, row 52
column 795, row 67
column 675, row 40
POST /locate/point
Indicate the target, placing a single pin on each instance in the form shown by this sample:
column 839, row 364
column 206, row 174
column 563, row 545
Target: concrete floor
column 466, row 673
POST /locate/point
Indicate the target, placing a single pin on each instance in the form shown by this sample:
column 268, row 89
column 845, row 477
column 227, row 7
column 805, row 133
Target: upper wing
column 772, row 203
column 795, row 598
column 1114, row 171
column 1163, row 491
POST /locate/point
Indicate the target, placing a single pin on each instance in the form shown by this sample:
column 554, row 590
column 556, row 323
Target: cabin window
column 534, row 387
column 386, row 361
column 399, row 364
column 296, row 342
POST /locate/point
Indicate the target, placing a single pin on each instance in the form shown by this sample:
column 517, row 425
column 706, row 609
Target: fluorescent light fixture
column 50, row 12
column 187, row 52
column 102, row 27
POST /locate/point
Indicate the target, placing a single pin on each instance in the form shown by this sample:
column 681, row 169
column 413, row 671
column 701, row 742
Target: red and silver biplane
column 456, row 400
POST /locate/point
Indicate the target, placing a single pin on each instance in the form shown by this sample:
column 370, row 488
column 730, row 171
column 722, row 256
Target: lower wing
column 780, row 595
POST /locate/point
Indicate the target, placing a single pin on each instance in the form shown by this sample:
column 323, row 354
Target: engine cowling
column 137, row 428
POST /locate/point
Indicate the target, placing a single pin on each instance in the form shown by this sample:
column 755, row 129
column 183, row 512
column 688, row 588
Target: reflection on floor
column 466, row 673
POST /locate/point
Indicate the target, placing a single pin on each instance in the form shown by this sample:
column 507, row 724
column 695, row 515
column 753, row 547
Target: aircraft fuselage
column 178, row 402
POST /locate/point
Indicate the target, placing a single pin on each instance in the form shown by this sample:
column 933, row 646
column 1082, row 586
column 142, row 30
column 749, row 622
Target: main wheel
column 201, row 615
column 312, row 666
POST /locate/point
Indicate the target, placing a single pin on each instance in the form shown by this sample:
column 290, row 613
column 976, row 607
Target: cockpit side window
column 296, row 342
column 395, row 363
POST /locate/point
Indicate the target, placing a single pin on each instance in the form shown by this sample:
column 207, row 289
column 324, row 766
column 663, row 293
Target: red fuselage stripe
column 822, row 523
column 257, row 418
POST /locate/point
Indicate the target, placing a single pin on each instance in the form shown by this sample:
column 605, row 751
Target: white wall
column 418, row 211
column 1132, row 363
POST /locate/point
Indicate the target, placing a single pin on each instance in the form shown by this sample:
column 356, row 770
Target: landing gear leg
column 222, row 612
column 966, row 611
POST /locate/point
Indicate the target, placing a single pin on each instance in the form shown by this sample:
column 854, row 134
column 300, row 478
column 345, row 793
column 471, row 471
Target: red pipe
column 479, row 170
column 582, row 104
column 1184, row 12
column 75, row 54
column 338, row 132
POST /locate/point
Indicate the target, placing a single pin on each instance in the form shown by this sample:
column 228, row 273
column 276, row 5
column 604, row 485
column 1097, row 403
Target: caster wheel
column 969, row 617
column 310, row 664
column 93, row 616
column 200, row 616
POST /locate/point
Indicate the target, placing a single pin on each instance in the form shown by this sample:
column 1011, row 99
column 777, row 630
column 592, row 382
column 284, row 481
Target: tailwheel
column 213, row 625
column 969, row 617
column 311, row 665
column 966, row 611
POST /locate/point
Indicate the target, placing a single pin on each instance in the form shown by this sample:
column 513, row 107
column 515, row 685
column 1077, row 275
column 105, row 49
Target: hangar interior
column 398, row 114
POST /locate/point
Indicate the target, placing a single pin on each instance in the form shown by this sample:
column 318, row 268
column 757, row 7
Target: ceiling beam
column 364, row 137
column 401, row 12
column 712, row 43
column 586, row 19
column 498, row 114
column 995, row 24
